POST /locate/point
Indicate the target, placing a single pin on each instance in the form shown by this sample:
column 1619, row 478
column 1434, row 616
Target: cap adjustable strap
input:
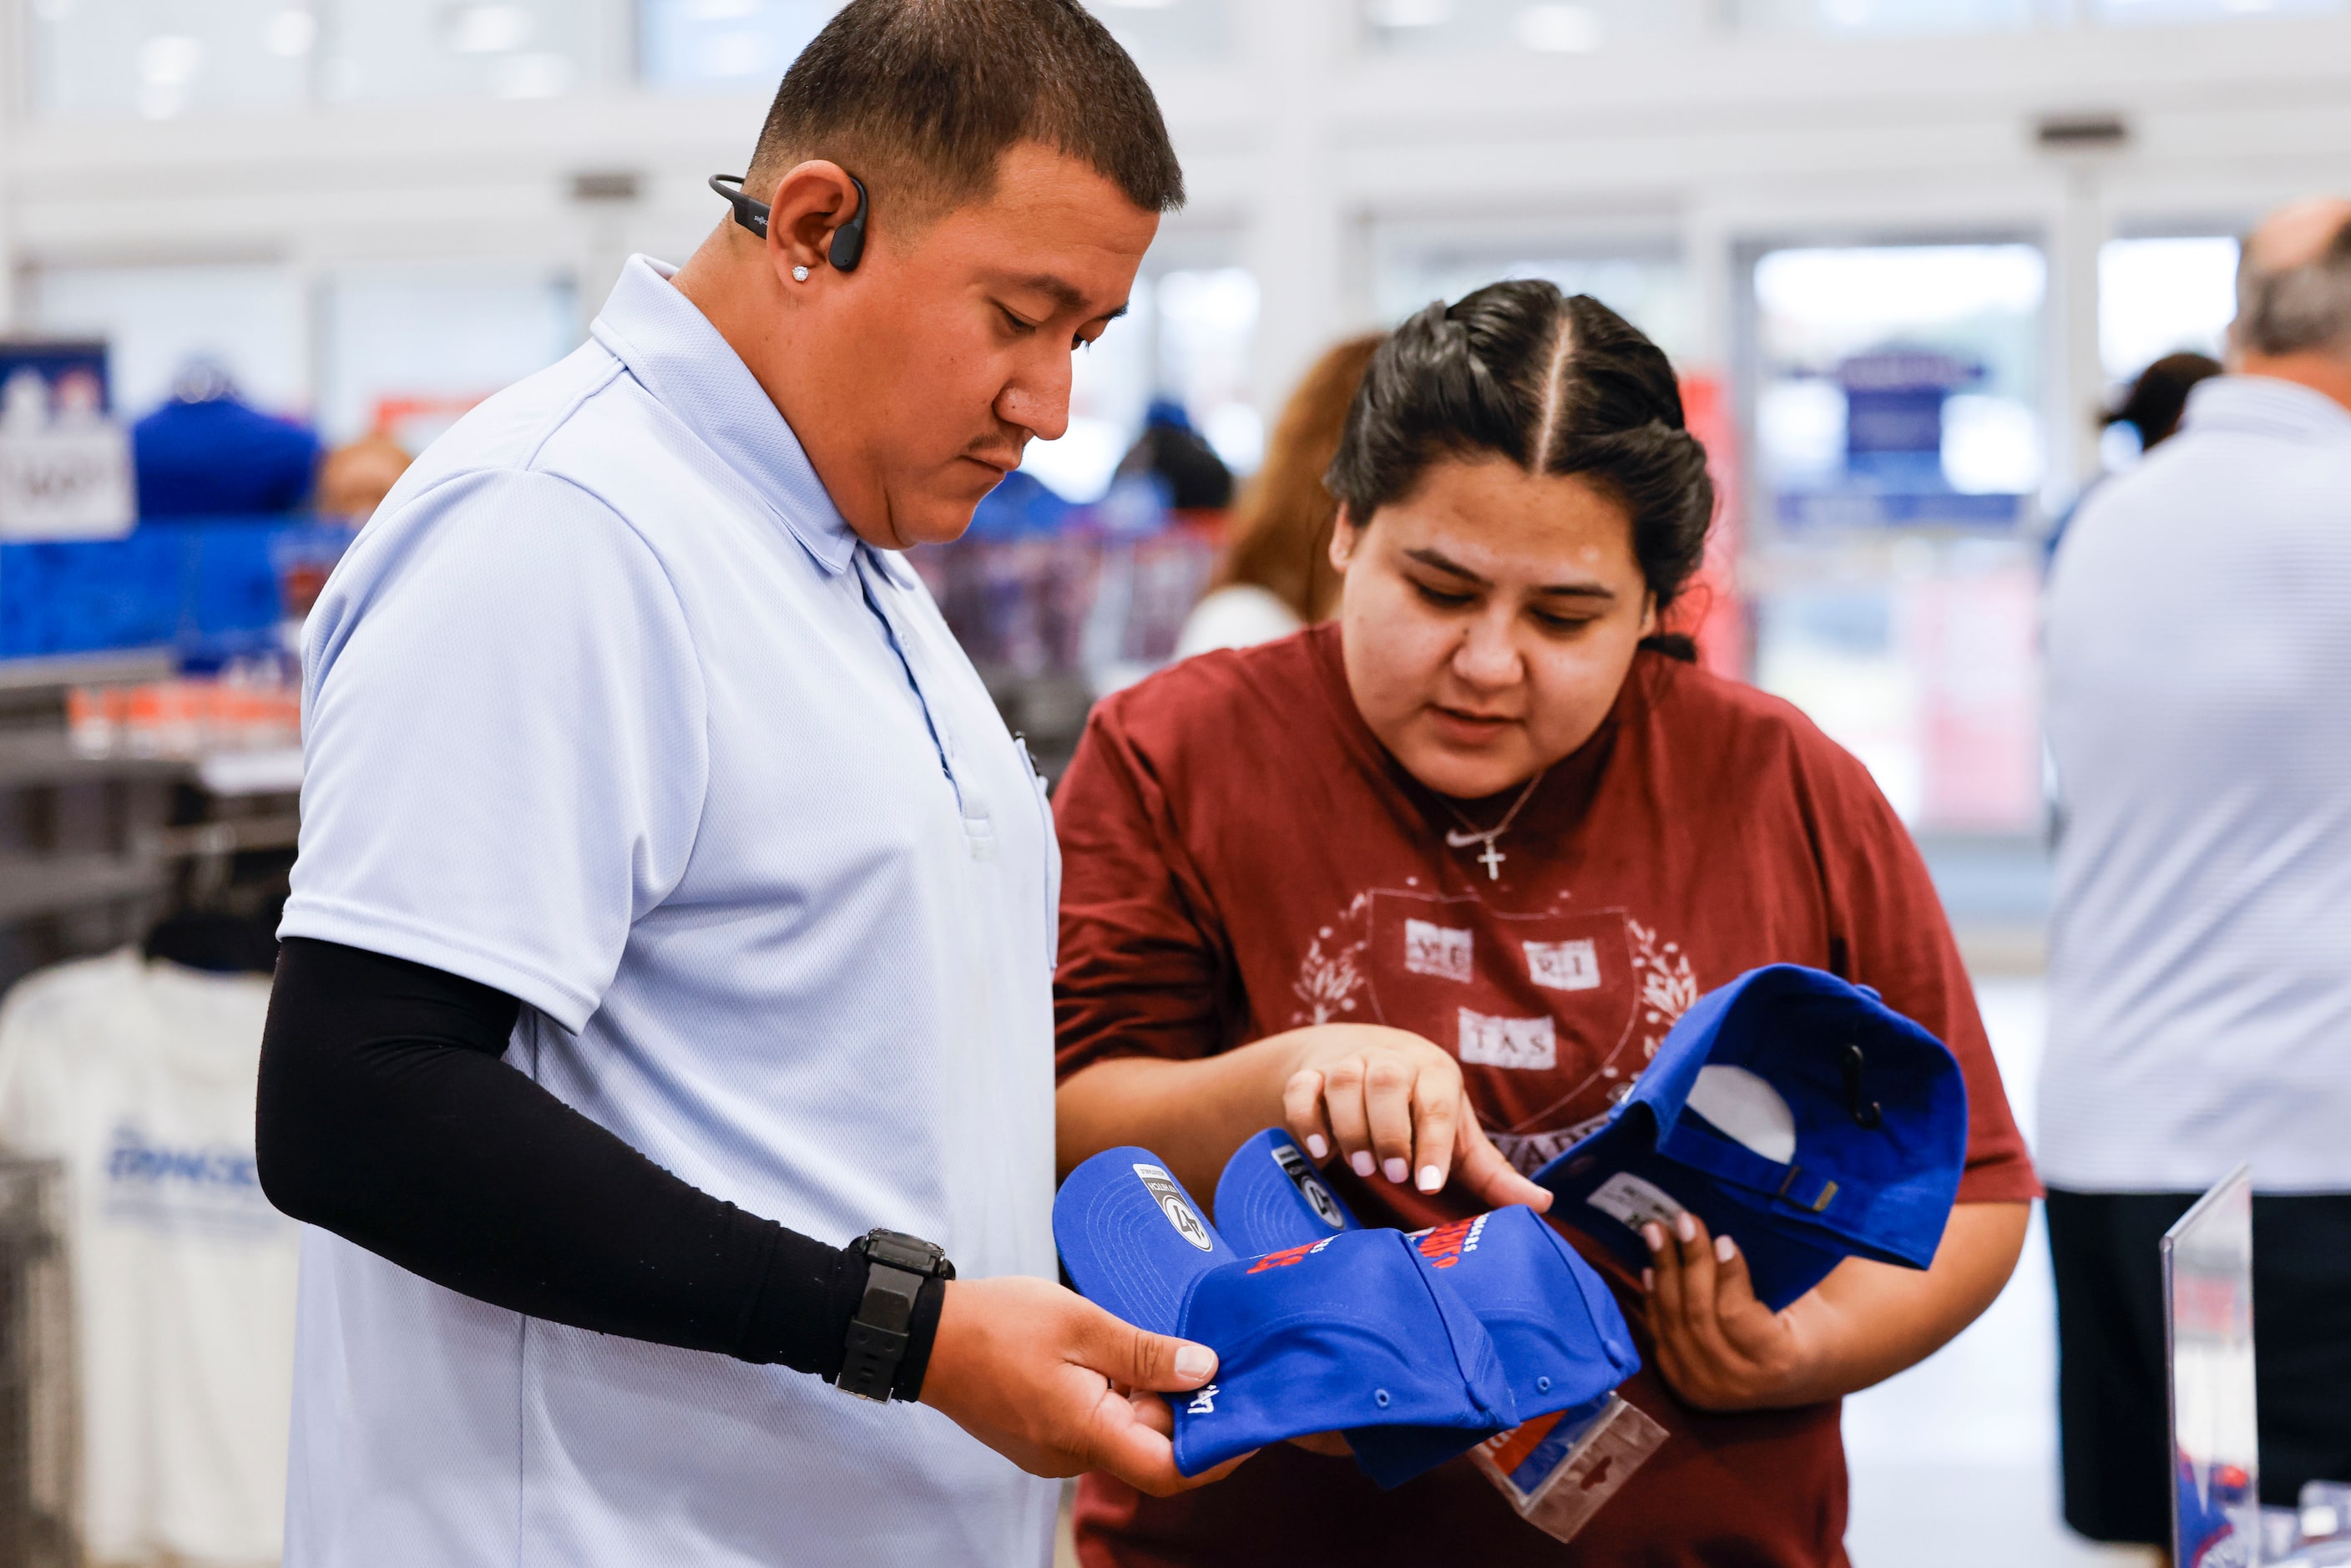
column 1734, row 1162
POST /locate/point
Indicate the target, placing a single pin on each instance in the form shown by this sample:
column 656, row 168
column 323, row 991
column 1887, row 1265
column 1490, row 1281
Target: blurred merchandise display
column 40, row 1458
column 208, row 591
column 251, row 706
column 137, row 1077
column 65, row 464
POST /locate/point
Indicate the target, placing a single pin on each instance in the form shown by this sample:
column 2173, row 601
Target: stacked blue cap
column 1353, row 1332
column 1789, row 1110
column 1561, row 1337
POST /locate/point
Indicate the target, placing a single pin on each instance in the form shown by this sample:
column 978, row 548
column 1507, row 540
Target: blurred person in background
column 2198, row 641
column 1181, row 458
column 355, row 478
column 1276, row 576
column 2151, row 411
column 1429, row 884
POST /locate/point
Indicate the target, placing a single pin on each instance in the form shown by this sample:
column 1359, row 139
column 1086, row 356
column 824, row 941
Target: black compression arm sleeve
column 387, row 1117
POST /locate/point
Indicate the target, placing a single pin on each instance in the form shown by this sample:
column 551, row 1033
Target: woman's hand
column 1392, row 1103
column 1719, row 1347
column 1722, row 1349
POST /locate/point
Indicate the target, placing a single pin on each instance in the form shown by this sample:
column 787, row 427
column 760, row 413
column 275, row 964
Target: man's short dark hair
column 921, row 98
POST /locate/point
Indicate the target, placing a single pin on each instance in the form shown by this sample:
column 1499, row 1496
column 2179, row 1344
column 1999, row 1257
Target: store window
column 1425, row 26
column 377, row 49
column 158, row 59
column 1866, row 18
column 409, row 349
column 1168, row 32
column 1643, row 282
column 2158, row 296
column 725, row 45
column 1895, row 394
column 1188, row 338
column 160, row 321
column 2130, row 13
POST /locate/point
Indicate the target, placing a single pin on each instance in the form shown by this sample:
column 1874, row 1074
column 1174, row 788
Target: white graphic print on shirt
column 1586, row 994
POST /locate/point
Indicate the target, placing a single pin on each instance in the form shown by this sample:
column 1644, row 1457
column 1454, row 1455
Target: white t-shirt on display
column 139, row 1077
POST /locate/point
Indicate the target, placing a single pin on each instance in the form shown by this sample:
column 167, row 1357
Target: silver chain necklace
column 1471, row 833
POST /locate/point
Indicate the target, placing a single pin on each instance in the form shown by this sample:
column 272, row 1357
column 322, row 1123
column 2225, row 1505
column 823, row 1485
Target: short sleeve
column 1141, row 963
column 1888, row 931
column 504, row 741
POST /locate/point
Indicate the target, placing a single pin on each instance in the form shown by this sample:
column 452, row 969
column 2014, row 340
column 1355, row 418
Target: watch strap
column 901, row 1272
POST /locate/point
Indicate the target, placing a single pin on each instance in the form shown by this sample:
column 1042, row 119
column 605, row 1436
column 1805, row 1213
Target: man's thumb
column 1137, row 1358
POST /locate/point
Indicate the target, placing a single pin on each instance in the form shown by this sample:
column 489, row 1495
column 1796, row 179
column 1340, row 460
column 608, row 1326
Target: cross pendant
column 1492, row 861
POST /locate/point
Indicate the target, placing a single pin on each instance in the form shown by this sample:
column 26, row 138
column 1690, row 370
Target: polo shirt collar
column 2264, row 405
column 678, row 356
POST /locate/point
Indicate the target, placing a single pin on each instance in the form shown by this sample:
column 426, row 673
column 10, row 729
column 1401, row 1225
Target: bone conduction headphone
column 847, row 241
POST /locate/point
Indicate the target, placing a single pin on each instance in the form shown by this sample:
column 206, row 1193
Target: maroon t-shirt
column 1241, row 857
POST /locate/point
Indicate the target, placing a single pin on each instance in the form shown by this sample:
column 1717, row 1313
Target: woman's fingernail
column 1196, row 1360
column 1317, row 1147
column 1431, row 1179
column 1723, row 1248
column 1361, row 1162
column 1655, row 1236
column 1648, row 1279
column 1685, row 1226
column 1395, row 1170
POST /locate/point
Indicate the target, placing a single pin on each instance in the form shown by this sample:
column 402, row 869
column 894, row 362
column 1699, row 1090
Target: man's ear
column 807, row 204
column 1650, row 616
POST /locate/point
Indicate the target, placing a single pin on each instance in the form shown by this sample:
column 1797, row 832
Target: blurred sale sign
column 64, row 464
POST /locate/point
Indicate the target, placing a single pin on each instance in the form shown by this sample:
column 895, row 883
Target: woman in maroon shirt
column 1428, row 885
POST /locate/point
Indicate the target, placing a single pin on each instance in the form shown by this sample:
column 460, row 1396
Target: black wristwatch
column 897, row 1268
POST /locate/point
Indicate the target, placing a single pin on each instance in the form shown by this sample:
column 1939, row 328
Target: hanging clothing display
column 139, row 1076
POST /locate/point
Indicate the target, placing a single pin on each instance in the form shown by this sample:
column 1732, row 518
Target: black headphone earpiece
column 849, row 239
column 848, row 246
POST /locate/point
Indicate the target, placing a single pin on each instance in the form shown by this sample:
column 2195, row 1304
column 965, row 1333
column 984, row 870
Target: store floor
column 1955, row 1462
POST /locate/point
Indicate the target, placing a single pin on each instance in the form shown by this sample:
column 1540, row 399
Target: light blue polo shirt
column 609, row 708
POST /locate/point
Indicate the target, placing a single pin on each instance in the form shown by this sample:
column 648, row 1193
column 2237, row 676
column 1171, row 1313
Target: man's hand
column 1058, row 1387
column 1391, row 1103
column 1719, row 1347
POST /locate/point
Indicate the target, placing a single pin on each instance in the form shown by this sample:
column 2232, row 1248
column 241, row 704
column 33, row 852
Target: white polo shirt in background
column 609, row 708
column 2199, row 652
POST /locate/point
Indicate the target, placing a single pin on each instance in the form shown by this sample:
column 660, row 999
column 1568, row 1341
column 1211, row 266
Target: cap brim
column 1120, row 1222
column 1271, row 1196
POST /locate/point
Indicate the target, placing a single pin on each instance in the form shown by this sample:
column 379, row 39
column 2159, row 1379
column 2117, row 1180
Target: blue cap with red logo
column 1350, row 1332
column 1791, row 1111
column 1558, row 1332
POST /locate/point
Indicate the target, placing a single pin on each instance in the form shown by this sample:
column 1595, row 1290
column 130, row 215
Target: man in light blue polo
column 2200, row 996
column 673, row 907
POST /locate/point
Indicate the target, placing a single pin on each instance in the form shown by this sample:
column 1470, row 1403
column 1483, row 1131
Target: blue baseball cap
column 1558, row 1332
column 1350, row 1332
column 1271, row 1196
column 1791, row 1111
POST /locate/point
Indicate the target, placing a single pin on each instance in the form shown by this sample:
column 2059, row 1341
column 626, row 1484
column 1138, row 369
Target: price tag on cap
column 1557, row 1469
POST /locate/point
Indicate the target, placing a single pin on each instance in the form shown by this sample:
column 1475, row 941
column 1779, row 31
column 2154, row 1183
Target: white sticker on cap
column 1179, row 1213
column 1443, row 951
column 1633, row 1203
column 1529, row 1043
column 1743, row 1105
column 1309, row 1186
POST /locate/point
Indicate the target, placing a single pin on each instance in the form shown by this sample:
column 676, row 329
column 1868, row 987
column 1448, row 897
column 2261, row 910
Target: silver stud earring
column 799, row 275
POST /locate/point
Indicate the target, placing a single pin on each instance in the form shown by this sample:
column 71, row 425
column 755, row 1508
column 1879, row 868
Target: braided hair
column 1557, row 383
